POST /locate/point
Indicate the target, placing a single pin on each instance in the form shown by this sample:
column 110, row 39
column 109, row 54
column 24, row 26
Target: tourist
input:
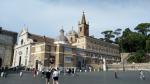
column 5, row 74
column 55, row 76
column 37, row 73
column 73, row 71
column 116, row 75
column 48, row 76
column 142, row 77
column 21, row 73
column 2, row 74
column 34, row 72
column 69, row 71
column 42, row 75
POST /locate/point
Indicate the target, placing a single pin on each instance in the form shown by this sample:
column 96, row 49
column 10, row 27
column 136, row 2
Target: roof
column 7, row 32
column 39, row 38
column 83, row 20
column 72, row 32
column 61, row 38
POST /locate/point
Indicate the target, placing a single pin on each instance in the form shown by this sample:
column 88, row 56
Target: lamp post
column 123, row 66
column 123, row 59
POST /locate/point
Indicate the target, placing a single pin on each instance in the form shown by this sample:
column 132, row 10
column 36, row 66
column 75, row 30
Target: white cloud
column 47, row 16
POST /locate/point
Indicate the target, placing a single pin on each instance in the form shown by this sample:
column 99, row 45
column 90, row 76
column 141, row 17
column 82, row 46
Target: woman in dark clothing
column 48, row 76
column 116, row 75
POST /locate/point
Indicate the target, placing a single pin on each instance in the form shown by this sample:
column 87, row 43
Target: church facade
column 71, row 49
column 31, row 50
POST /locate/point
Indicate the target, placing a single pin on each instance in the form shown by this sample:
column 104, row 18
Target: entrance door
column 0, row 62
column 36, row 65
column 20, row 61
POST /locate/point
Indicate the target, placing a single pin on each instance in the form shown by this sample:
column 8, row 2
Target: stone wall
column 135, row 66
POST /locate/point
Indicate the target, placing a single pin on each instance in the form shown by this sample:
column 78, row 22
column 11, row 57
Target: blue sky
column 46, row 17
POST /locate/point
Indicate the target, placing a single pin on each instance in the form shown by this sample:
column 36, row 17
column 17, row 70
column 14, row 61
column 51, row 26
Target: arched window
column 71, row 39
column 21, row 41
column 80, row 29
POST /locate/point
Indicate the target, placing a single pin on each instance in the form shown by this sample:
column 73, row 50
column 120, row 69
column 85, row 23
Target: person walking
column 34, row 72
column 48, row 76
column 73, row 72
column 37, row 72
column 116, row 76
column 55, row 76
column 2, row 74
column 142, row 77
column 21, row 73
column 42, row 74
column 5, row 74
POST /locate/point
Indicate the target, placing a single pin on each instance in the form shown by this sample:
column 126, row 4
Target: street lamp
column 123, row 67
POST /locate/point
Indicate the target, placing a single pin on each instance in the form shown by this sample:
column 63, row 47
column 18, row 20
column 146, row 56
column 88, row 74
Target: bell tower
column 83, row 27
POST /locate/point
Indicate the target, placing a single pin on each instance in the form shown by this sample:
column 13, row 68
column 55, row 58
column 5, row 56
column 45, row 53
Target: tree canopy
column 143, row 28
column 137, row 41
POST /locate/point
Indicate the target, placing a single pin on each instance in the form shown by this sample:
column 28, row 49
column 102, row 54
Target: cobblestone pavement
column 131, row 77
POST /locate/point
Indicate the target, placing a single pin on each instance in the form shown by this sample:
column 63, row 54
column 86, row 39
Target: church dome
column 72, row 33
column 61, row 38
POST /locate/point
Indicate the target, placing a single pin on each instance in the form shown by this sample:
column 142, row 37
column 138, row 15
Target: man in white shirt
column 55, row 76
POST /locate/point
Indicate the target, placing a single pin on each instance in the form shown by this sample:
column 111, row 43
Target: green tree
column 143, row 28
column 132, row 41
column 147, row 47
column 117, row 32
column 108, row 35
column 137, row 57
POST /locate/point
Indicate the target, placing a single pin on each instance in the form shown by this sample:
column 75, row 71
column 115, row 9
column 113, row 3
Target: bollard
column 85, row 70
column 80, row 70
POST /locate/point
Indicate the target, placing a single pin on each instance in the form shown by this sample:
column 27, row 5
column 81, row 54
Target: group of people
column 70, row 71
column 3, row 72
column 142, row 77
column 48, row 74
column 51, row 73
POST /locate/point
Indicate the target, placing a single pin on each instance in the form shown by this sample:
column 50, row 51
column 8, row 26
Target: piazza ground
column 128, row 77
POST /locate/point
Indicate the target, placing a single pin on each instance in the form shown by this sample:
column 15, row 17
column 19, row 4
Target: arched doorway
column 0, row 62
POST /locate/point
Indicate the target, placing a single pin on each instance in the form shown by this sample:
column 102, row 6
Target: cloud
column 46, row 17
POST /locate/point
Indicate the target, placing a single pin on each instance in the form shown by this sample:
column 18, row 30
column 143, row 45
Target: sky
column 47, row 17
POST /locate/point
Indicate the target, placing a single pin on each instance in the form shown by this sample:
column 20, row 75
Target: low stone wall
column 136, row 66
